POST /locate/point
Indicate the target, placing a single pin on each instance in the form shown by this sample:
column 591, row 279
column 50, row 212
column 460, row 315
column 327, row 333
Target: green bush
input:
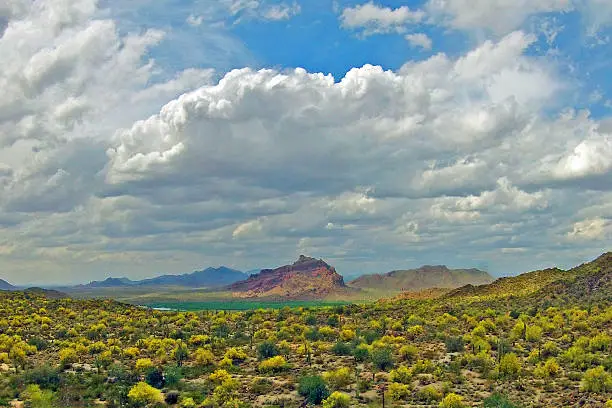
column 596, row 380
column 454, row 344
column 498, row 401
column 341, row 349
column 267, row 350
column 382, row 358
column 313, row 389
column 45, row 376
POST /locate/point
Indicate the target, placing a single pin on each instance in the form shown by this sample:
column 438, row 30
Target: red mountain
column 307, row 278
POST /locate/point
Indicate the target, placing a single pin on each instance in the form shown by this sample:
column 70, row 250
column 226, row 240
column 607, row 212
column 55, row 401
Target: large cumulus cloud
column 450, row 159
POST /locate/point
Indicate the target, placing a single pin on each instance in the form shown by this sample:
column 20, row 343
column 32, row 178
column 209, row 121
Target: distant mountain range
column 306, row 278
column 207, row 278
column 425, row 277
column 4, row 285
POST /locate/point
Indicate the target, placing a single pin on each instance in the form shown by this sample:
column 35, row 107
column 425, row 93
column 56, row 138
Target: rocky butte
column 307, row 278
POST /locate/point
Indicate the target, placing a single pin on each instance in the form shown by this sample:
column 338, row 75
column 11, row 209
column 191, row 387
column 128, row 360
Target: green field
column 241, row 305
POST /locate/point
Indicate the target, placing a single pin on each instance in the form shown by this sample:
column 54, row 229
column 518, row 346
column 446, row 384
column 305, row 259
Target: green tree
column 313, row 389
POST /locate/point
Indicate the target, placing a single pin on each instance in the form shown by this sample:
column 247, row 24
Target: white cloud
column 282, row 11
column 498, row 16
column 375, row 19
column 590, row 229
column 443, row 153
column 590, row 157
column 248, row 228
column 419, row 40
column 263, row 10
column 195, row 21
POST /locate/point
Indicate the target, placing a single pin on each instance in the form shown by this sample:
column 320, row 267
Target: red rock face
column 306, row 278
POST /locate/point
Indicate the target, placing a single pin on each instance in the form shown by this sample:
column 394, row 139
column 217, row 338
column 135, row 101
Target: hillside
column 516, row 285
column 307, row 278
column 591, row 280
column 548, row 346
column 425, row 277
column 4, row 285
column 207, row 278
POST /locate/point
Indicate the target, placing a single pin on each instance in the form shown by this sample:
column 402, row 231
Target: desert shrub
column 361, row 353
column 452, row 401
column 173, row 375
column 509, row 366
column 203, row 357
column 237, row 355
column 188, row 402
column 347, row 334
column 44, row 376
column 261, row 386
column 398, row 391
column 172, row 397
column 273, row 365
column 454, row 344
column 67, row 356
column 34, row 397
column 39, row 343
column 408, row 352
column 429, row 394
column 533, row 334
column 341, row 349
column 337, row 400
column 155, row 378
column 600, row 342
column 401, row 375
column 267, row 350
column 143, row 364
column 548, row 369
column 498, row 401
column 338, row 379
column 382, row 358
column 596, row 380
column 142, row 394
column 313, row 389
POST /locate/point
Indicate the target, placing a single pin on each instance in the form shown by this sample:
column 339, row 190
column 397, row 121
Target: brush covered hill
column 307, row 278
column 207, row 278
column 4, row 285
column 591, row 280
column 425, row 277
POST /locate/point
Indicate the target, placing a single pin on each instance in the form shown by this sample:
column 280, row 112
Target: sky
column 145, row 137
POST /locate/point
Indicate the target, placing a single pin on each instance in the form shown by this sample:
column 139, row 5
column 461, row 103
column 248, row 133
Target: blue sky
column 315, row 40
column 149, row 137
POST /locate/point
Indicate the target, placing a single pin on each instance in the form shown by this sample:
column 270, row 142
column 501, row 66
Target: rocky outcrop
column 307, row 278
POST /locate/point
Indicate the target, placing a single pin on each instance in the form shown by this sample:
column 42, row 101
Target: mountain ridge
column 209, row 277
column 4, row 285
column 590, row 279
column 424, row 277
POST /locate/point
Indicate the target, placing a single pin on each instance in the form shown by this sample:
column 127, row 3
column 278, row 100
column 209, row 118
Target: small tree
column 313, row 389
column 509, row 366
column 382, row 358
column 267, row 350
column 180, row 353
